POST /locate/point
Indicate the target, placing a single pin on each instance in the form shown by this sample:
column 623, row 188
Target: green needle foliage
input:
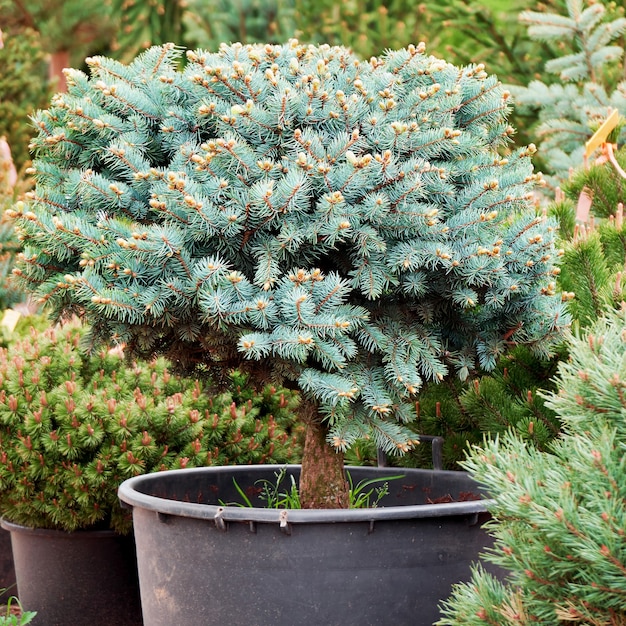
column 352, row 228
column 10, row 246
column 590, row 71
column 601, row 183
column 559, row 516
column 10, row 294
column 73, row 427
column 367, row 27
column 509, row 398
column 594, row 256
column 23, row 87
column 145, row 23
column 208, row 23
column 586, row 273
column 467, row 29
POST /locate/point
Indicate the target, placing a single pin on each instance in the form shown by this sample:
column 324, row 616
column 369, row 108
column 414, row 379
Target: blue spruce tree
column 349, row 228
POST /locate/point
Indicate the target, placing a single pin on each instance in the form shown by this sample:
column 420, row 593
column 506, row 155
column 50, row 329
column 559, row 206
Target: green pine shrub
column 367, row 27
column 464, row 412
column 511, row 398
column 559, row 515
column 348, row 228
column 208, row 23
column 602, row 183
column 594, row 254
column 73, row 427
column 587, row 274
column 564, row 211
column 23, row 87
column 469, row 29
column 144, row 24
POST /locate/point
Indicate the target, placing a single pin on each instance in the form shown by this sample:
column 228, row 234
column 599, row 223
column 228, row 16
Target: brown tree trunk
column 323, row 483
column 58, row 61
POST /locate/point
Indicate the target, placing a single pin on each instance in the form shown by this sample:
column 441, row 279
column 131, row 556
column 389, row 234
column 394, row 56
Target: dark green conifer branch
column 559, row 514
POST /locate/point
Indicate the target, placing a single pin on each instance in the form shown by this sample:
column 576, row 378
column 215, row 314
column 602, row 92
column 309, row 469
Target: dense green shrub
column 73, row 427
column 23, row 88
column 559, row 516
column 605, row 187
column 208, row 23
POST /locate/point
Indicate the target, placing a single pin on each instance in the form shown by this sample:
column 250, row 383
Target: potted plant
column 72, row 428
column 347, row 228
column 559, row 514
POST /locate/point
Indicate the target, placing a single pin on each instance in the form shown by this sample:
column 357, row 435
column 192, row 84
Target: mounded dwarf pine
column 73, row 427
column 349, row 228
column 559, row 516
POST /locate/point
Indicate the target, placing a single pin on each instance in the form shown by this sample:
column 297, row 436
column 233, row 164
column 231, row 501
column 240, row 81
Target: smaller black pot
column 7, row 570
column 83, row 578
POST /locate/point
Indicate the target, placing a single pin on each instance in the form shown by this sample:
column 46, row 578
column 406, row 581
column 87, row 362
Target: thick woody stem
column 323, row 483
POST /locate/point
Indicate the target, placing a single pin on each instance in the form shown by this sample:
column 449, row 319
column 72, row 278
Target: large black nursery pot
column 201, row 562
column 82, row 578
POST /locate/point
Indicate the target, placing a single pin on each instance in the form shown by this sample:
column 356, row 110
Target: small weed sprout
column 12, row 617
column 361, row 495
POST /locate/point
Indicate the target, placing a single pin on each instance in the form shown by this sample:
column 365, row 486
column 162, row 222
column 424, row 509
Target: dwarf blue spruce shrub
column 352, row 228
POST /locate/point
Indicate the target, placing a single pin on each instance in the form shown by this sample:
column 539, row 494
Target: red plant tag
column 583, row 206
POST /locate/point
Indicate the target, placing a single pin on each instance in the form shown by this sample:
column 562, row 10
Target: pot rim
column 57, row 532
column 131, row 495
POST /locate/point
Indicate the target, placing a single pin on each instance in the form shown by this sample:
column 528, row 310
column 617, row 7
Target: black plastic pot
column 7, row 570
column 84, row 578
column 203, row 563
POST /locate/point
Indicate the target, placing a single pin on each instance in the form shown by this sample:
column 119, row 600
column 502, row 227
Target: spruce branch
column 558, row 516
column 569, row 113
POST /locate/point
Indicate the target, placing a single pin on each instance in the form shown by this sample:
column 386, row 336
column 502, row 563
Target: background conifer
column 588, row 79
